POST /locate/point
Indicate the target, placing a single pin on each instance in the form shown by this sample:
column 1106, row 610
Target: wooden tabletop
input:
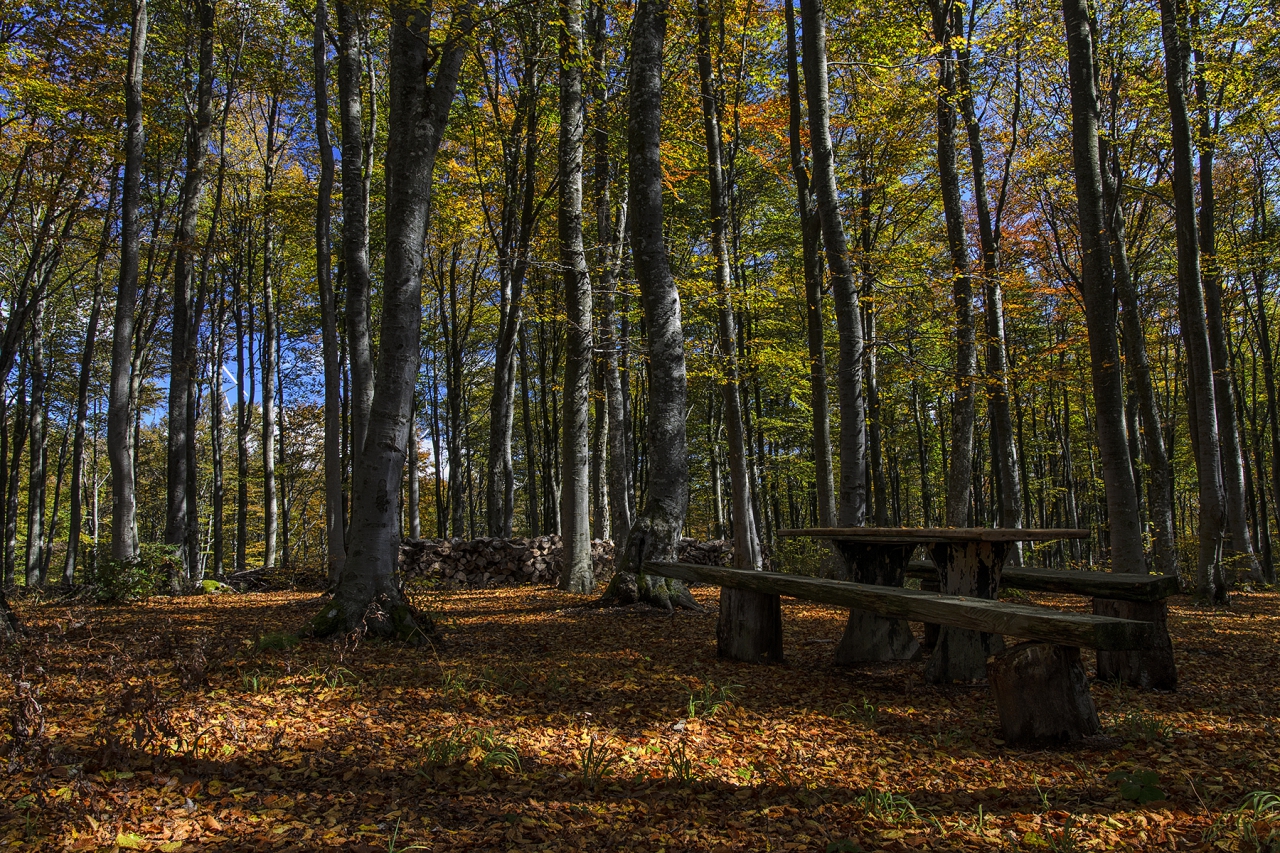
column 910, row 535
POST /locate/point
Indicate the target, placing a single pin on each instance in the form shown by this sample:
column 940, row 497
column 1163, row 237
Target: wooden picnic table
column 969, row 560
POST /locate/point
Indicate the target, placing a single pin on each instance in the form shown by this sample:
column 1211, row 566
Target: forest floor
column 172, row 724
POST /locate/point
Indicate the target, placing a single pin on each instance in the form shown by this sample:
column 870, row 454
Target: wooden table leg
column 869, row 636
column 969, row 569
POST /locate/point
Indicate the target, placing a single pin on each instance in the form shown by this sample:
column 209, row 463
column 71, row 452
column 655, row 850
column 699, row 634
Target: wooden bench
column 1040, row 687
column 1110, row 585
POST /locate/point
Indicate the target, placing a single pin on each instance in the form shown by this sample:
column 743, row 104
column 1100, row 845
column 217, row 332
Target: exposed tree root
column 387, row 616
column 654, row 540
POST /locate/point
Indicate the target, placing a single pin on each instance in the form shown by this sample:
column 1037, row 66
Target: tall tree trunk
column 269, row 352
column 76, row 521
column 368, row 596
column 611, row 242
column 414, row 493
column 945, row 14
column 355, row 224
column 1260, row 231
column 217, row 401
column 530, row 448
column 1160, row 509
column 1098, row 293
column 124, row 510
column 1004, row 447
column 335, row 533
column 181, row 509
column 750, row 624
column 852, row 507
column 1154, row 666
column 1201, row 399
column 810, row 228
column 1237, row 545
column 656, row 530
column 36, row 458
column 576, row 574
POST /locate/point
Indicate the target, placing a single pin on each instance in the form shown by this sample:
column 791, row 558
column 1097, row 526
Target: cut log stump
column 868, row 636
column 971, row 570
column 1152, row 668
column 1042, row 694
column 750, row 626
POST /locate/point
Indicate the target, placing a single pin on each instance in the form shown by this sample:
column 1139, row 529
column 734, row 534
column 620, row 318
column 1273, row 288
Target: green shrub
column 112, row 580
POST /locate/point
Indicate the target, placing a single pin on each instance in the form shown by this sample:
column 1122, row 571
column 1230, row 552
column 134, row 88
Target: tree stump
column 1042, row 694
column 868, row 636
column 971, row 569
column 1150, row 669
column 750, row 626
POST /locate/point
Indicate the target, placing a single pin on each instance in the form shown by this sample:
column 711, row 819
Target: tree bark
column 368, row 596
column 335, row 532
column 1098, row 292
column 750, row 623
column 1201, row 399
column 36, row 452
column 656, row 530
column 611, row 242
column 815, row 326
column 269, row 351
column 577, row 574
column 180, row 505
column 852, row 507
column 355, row 224
column 124, row 523
column 76, row 521
column 945, row 14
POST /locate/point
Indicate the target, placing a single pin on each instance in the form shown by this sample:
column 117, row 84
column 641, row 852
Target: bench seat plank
column 937, row 534
column 993, row 617
column 1115, row 585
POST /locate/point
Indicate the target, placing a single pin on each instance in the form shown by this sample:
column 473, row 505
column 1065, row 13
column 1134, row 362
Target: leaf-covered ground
column 540, row 725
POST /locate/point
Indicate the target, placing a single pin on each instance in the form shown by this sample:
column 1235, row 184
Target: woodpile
column 494, row 561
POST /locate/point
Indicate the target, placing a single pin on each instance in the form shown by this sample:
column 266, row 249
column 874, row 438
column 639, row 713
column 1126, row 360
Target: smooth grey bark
column 269, row 351
column 1159, row 504
column 1098, row 292
column 946, row 25
column 413, row 497
column 368, row 596
column 36, row 459
column 1005, row 448
column 1260, row 230
column 852, row 507
column 611, row 242
column 180, row 505
column 657, row 528
column 750, row 623
column 815, row 327
column 355, row 224
column 335, row 532
column 1238, row 545
column 76, row 518
column 1211, row 583
column 124, row 509
column 576, row 574
column 217, row 399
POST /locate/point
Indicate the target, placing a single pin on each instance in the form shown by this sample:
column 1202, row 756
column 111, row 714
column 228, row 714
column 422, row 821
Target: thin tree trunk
column 1259, row 275
column 576, row 574
column 810, row 228
column 269, row 352
column 124, row 523
column 181, row 510
column 1201, row 399
column 946, row 26
column 355, row 224
column 36, row 452
column 658, row 526
column 335, row 533
column 852, row 507
column 76, row 521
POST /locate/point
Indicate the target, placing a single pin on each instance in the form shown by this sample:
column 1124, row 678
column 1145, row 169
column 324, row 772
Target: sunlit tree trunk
column 852, row 507
column 659, row 523
column 269, row 352
column 1201, row 400
column 124, row 524
column 36, row 451
column 368, row 596
column 576, row 574
column 335, row 538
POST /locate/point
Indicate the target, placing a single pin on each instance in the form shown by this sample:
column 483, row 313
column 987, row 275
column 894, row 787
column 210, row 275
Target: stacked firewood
column 495, row 561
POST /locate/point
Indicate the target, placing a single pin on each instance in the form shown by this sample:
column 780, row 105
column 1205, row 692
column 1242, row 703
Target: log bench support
column 868, row 636
column 1042, row 694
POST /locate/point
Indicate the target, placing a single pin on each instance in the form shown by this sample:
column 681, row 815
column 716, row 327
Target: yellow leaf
column 129, row 840
column 170, row 846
